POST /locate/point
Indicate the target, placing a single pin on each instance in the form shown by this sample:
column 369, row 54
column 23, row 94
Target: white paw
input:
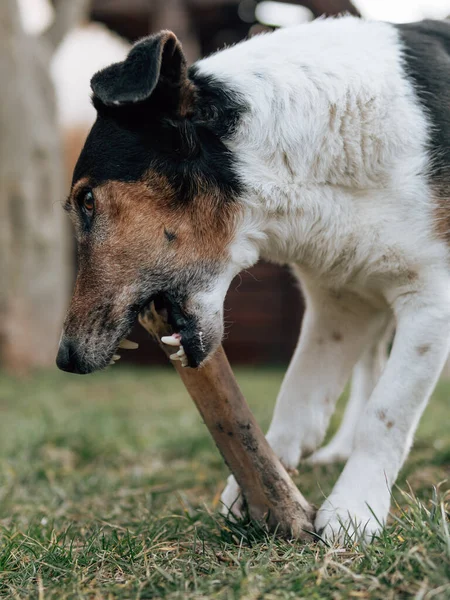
column 330, row 454
column 286, row 447
column 232, row 500
column 350, row 518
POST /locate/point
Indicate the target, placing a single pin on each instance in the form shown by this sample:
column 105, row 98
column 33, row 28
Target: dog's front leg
column 365, row 376
column 360, row 500
column 335, row 330
column 336, row 327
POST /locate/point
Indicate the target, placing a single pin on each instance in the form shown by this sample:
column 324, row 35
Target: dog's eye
column 88, row 203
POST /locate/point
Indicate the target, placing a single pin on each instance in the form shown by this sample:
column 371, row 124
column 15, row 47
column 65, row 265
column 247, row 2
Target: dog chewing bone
column 271, row 495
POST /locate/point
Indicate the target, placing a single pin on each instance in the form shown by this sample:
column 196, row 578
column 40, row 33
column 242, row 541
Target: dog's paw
column 329, row 454
column 348, row 519
column 232, row 500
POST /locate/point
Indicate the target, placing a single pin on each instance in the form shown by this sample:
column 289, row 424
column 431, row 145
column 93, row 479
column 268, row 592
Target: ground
column 109, row 488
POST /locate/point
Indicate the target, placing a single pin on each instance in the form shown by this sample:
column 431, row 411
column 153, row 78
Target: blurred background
column 49, row 50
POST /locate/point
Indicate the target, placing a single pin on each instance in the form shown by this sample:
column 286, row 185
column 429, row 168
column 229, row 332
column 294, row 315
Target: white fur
column 365, row 375
column 332, row 152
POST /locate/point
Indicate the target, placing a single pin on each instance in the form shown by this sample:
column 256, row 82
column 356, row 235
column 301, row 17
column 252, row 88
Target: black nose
column 68, row 358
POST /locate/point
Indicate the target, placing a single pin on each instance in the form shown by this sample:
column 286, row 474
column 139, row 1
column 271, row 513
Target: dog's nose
column 68, row 357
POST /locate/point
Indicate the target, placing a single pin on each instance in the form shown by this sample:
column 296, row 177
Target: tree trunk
column 35, row 265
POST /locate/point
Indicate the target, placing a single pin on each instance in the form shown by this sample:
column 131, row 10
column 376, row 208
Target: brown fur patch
column 421, row 350
column 381, row 414
column 287, row 164
column 140, row 212
column 411, row 275
column 333, row 116
column 128, row 236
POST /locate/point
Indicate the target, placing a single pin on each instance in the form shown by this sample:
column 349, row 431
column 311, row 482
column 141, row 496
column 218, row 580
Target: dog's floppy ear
column 157, row 59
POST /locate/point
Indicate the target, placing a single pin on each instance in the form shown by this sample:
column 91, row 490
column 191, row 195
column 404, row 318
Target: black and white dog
column 326, row 146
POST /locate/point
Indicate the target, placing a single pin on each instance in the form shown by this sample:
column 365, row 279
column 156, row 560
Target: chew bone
column 271, row 495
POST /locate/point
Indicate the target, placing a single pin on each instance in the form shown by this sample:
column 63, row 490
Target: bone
column 272, row 497
column 128, row 345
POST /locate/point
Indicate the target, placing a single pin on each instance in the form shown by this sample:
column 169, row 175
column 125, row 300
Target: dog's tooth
column 128, row 345
column 170, row 340
column 116, row 357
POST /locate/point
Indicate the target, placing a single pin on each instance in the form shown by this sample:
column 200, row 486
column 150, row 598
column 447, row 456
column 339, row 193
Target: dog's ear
column 154, row 61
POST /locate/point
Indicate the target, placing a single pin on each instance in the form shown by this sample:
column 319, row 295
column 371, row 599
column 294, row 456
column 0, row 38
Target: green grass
column 109, row 488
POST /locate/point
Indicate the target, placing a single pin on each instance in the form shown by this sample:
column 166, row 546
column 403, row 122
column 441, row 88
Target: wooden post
column 271, row 495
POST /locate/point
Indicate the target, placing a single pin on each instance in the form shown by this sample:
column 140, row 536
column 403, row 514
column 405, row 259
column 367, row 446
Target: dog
column 325, row 146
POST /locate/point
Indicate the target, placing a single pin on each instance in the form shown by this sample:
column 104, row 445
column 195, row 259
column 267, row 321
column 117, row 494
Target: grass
column 109, row 488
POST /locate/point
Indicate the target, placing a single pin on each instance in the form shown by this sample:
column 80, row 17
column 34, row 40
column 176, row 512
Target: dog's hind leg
column 365, row 375
column 359, row 502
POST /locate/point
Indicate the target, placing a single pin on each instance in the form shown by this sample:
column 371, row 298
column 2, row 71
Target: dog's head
column 155, row 204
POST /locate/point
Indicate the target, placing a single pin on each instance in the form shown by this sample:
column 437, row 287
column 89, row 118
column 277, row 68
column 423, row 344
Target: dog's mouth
column 186, row 339
column 170, row 310
column 191, row 346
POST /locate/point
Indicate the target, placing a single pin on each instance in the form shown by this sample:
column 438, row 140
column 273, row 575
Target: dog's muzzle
column 69, row 358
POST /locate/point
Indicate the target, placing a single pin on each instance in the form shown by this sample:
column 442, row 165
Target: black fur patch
column 219, row 107
column 426, row 50
column 125, row 142
column 155, row 61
